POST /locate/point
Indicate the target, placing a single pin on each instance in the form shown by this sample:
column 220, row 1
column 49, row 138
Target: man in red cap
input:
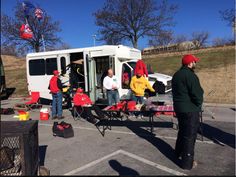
column 84, row 104
column 55, row 87
column 187, row 98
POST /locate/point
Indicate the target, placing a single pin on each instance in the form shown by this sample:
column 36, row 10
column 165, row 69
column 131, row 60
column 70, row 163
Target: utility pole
column 94, row 39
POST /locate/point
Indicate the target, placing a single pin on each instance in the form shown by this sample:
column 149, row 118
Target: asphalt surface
column 130, row 149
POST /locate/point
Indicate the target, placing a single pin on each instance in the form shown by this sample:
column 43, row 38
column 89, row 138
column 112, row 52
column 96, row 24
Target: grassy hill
column 15, row 72
column 216, row 71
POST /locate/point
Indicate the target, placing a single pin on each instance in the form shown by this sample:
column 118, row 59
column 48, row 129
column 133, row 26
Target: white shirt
column 110, row 82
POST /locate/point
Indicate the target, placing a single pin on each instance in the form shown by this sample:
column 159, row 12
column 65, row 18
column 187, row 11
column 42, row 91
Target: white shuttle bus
column 86, row 68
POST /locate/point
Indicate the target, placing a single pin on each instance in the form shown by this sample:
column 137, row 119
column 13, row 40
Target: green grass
column 211, row 59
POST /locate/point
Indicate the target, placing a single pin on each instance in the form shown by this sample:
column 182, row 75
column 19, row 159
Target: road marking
column 158, row 166
column 161, row 167
column 131, row 133
column 92, row 163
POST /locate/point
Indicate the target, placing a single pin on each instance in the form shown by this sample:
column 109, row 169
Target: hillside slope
column 15, row 72
column 216, row 71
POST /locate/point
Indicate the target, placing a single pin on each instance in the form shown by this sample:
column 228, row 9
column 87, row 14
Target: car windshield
column 149, row 68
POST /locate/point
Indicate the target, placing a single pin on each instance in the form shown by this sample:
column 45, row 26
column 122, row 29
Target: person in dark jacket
column 55, row 87
column 187, row 98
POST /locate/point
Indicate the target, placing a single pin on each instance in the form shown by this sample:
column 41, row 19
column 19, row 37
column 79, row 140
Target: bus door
column 90, row 76
column 112, row 63
column 63, row 62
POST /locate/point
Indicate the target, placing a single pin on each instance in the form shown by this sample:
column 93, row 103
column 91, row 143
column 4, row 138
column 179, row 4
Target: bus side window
column 37, row 67
column 63, row 65
column 51, row 65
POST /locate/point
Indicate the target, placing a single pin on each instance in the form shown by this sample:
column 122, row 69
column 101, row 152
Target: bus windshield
column 133, row 64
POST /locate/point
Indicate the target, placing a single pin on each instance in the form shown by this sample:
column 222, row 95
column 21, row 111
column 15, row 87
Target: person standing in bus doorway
column 110, row 83
column 55, row 87
column 187, row 98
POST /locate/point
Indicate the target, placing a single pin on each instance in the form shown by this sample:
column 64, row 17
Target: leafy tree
column 46, row 27
column 130, row 20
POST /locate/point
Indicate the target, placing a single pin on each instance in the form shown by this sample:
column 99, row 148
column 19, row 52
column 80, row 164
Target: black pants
column 187, row 134
column 86, row 112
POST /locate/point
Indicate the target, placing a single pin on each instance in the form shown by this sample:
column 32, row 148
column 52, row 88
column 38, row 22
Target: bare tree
column 10, row 29
column 180, row 38
column 219, row 42
column 61, row 46
column 129, row 20
column 162, row 39
column 200, row 38
column 228, row 15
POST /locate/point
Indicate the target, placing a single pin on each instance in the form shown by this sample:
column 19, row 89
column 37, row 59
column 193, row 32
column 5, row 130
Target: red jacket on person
column 81, row 99
column 55, row 84
column 140, row 65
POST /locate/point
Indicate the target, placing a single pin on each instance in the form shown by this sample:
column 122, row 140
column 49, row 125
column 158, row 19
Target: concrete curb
column 220, row 105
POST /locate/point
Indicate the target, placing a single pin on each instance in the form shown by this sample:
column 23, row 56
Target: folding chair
column 77, row 112
column 34, row 102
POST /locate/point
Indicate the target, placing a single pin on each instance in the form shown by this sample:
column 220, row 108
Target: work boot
column 187, row 161
column 61, row 117
column 54, row 117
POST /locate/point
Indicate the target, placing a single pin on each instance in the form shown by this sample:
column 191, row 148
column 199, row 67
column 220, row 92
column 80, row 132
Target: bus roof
column 102, row 47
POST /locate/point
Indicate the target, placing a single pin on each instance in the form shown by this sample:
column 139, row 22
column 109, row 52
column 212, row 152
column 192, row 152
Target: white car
column 162, row 81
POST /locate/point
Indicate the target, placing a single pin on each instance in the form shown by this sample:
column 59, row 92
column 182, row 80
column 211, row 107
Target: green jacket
column 187, row 91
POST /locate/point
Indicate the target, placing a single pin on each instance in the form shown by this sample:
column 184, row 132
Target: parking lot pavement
column 130, row 149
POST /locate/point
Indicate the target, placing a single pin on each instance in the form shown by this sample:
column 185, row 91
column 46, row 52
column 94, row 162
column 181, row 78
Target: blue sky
column 78, row 23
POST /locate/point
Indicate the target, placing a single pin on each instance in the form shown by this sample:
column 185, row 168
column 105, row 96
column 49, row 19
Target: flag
column 38, row 13
column 25, row 32
column 27, row 6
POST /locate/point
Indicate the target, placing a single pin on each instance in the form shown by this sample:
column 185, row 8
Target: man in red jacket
column 55, row 87
column 83, row 104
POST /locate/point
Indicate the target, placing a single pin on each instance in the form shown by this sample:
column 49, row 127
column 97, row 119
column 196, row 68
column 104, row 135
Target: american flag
column 27, row 6
column 38, row 13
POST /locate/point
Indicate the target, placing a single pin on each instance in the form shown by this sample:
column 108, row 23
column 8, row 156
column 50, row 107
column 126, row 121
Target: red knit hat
column 55, row 72
column 188, row 59
column 80, row 90
column 140, row 71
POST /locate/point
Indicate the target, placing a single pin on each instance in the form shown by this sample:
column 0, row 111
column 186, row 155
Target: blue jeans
column 57, row 104
column 138, row 99
column 113, row 97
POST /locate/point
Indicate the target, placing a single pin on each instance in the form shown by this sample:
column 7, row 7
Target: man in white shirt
column 110, row 83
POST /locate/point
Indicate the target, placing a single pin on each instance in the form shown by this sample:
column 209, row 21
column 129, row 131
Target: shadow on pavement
column 217, row 135
column 160, row 144
column 137, row 123
column 122, row 170
column 42, row 154
column 233, row 109
column 9, row 92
